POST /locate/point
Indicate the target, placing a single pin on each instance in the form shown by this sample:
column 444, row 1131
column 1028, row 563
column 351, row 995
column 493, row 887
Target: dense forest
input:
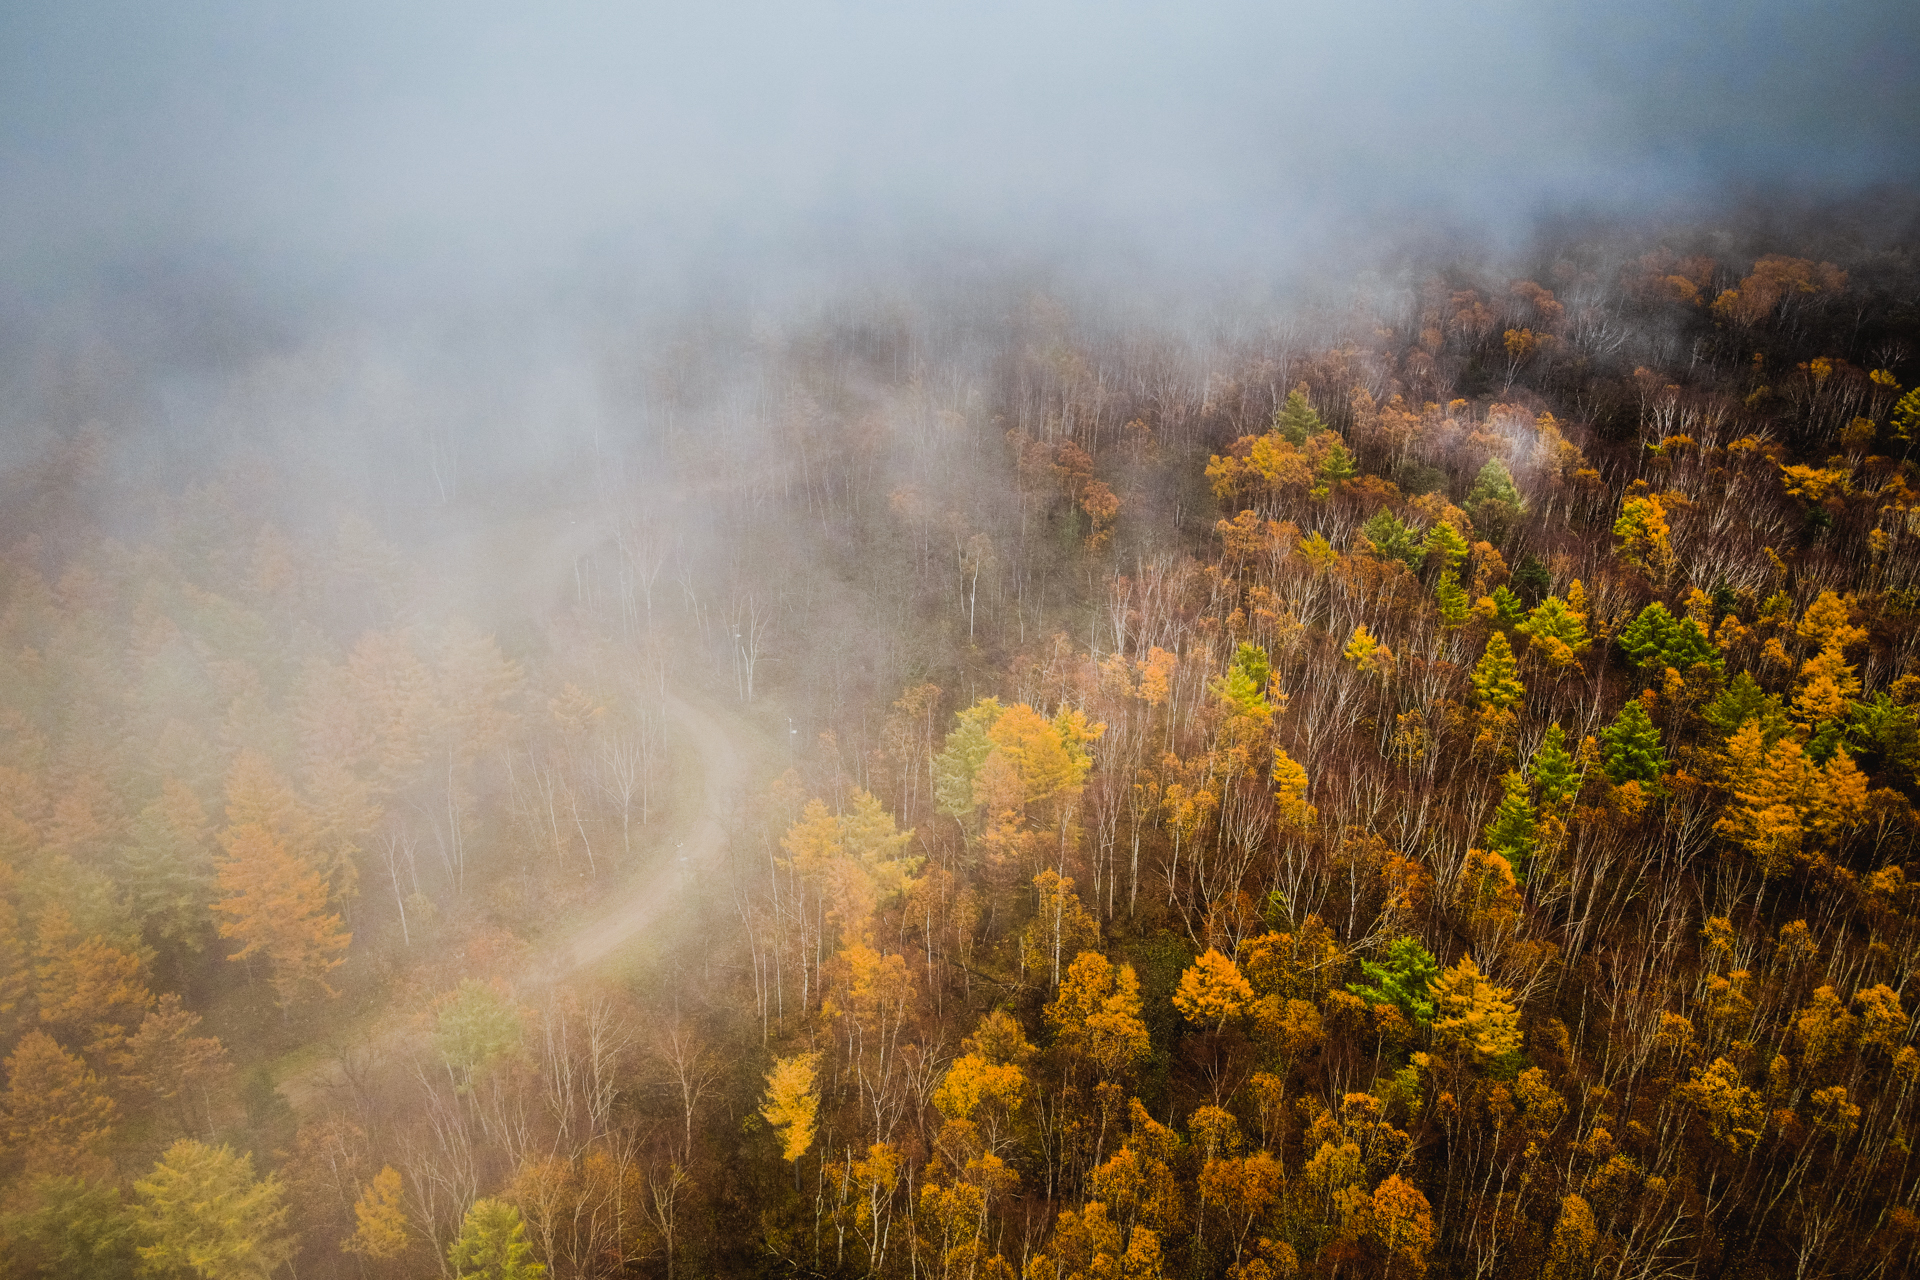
column 1415, row 781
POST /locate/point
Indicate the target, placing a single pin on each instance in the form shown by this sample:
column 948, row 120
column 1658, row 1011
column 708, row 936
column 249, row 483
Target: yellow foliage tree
column 855, row 860
column 1574, row 1236
column 1787, row 808
column 1734, row 1113
column 380, row 1216
column 1060, row 928
column 257, row 796
column 1645, row 538
column 1290, row 792
column 1400, row 1218
column 1096, row 1015
column 1213, row 991
column 1473, row 1014
column 1496, row 677
column 792, row 1103
column 986, row 1094
column 1366, row 653
column 92, row 996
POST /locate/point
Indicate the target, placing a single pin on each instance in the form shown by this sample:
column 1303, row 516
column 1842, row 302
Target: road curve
column 722, row 774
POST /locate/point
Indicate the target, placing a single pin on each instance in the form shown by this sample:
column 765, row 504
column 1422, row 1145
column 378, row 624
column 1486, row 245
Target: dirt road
column 722, row 777
column 719, row 764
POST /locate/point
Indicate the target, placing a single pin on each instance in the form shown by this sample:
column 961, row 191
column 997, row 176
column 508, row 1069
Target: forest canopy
column 996, row 787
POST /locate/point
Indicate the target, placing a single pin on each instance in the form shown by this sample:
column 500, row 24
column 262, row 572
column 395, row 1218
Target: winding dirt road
column 720, row 757
column 723, row 775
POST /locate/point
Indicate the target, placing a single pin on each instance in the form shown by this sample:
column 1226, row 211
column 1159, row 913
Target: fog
column 501, row 506
column 437, row 146
column 194, row 187
column 434, row 247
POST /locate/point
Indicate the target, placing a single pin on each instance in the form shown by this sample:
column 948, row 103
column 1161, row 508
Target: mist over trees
column 1417, row 777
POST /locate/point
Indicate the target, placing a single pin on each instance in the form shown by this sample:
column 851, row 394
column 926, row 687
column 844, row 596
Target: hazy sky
column 341, row 138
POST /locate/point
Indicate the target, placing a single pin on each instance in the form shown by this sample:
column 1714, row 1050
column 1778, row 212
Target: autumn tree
column 57, row 1111
column 381, row 1230
column 1366, row 653
column 1399, row 1218
column 1574, row 1236
column 16, row 974
column 179, row 1070
column 1776, row 281
column 855, row 860
column 1289, row 779
column 1496, row 677
column 1061, row 927
column 277, row 907
column 92, row 995
column 492, row 1245
column 1645, row 539
column 1096, row 1015
column 987, row 1085
column 1014, row 778
column 1556, row 633
column 792, row 1103
column 1213, row 991
column 1473, row 1014
column 202, row 1211
column 1785, row 806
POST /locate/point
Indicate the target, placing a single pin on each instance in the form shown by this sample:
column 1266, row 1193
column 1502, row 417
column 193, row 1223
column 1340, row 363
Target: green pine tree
column 1508, row 611
column 1496, row 677
column 1742, row 700
column 476, row 1026
column 67, row 1226
column 1552, row 619
column 1337, row 464
column 1555, row 772
column 1493, row 500
column 167, row 870
column 1401, row 980
column 1630, row 746
column 1390, row 539
column 965, row 750
column 1514, row 832
column 1296, row 419
column 1886, row 733
column 1495, row 484
column 1532, row 578
column 1452, row 599
column 1656, row 640
column 1245, row 684
column 493, row 1245
column 1444, row 546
